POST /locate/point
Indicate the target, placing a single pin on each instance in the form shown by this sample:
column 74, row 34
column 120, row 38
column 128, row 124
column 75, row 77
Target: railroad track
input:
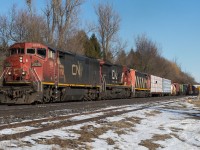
column 24, row 109
column 48, row 124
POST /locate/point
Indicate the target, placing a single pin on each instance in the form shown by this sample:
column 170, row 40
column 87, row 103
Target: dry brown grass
column 121, row 124
column 134, row 120
column 196, row 102
column 176, row 136
column 149, row 143
column 63, row 143
column 152, row 113
column 110, row 141
column 180, row 106
column 89, row 132
column 120, row 131
column 127, row 124
column 175, row 129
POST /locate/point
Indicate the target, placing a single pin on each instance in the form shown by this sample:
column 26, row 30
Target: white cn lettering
column 114, row 75
column 76, row 69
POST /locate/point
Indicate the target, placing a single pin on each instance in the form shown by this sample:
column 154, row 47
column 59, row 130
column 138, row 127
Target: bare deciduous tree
column 20, row 26
column 76, row 42
column 108, row 26
column 121, row 58
column 26, row 27
column 29, row 4
column 61, row 17
column 146, row 51
column 4, row 37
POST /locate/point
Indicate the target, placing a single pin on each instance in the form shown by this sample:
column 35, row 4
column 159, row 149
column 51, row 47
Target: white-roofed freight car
column 166, row 84
column 156, row 85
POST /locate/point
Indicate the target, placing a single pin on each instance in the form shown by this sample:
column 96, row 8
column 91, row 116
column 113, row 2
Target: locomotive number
column 76, row 69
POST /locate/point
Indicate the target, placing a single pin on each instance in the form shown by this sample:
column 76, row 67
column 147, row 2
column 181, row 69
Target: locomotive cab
column 23, row 72
column 24, row 62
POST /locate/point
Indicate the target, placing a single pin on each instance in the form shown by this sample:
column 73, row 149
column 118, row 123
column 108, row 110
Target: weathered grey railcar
column 166, row 85
column 156, row 86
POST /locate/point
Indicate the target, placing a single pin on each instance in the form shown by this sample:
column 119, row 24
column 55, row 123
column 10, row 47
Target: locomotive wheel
column 47, row 95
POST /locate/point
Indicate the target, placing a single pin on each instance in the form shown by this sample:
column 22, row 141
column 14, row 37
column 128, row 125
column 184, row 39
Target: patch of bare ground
column 149, row 143
column 110, row 141
column 127, row 123
column 195, row 102
column 176, row 136
column 152, row 113
column 161, row 127
column 134, row 120
column 63, row 143
column 176, row 129
column 180, row 106
column 89, row 132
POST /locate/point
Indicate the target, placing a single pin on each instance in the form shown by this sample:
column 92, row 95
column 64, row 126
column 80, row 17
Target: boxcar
column 166, row 84
column 177, row 86
column 156, row 86
column 183, row 89
column 195, row 90
column 173, row 90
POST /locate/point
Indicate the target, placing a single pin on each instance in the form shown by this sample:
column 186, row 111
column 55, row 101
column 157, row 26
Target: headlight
column 9, row 73
column 23, row 73
column 21, row 59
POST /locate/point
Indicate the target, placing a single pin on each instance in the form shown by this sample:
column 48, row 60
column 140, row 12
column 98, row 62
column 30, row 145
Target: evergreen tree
column 97, row 47
column 92, row 47
column 121, row 58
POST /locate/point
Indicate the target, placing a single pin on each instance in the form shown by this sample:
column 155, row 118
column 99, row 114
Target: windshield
column 17, row 51
column 30, row 51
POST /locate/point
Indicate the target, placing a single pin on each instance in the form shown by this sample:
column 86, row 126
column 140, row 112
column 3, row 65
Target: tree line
column 58, row 27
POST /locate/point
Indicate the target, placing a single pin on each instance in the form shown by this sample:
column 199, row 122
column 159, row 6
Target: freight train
column 36, row 73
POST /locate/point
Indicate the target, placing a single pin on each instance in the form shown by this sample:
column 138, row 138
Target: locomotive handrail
column 4, row 72
column 38, row 81
column 104, row 83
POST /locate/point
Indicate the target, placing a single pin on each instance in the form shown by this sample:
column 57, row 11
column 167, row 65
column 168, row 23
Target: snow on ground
column 16, row 130
column 167, row 126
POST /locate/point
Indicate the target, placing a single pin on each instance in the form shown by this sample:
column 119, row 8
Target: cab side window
column 16, row 51
column 21, row 51
column 13, row 51
column 51, row 54
column 41, row 52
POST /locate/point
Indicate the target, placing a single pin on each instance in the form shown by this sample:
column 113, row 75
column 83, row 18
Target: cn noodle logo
column 77, row 69
column 114, row 75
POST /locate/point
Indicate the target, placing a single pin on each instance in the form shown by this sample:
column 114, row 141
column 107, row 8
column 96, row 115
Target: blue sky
column 173, row 24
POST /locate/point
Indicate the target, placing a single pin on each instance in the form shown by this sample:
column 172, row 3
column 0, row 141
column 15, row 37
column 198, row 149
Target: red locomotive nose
column 17, row 74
